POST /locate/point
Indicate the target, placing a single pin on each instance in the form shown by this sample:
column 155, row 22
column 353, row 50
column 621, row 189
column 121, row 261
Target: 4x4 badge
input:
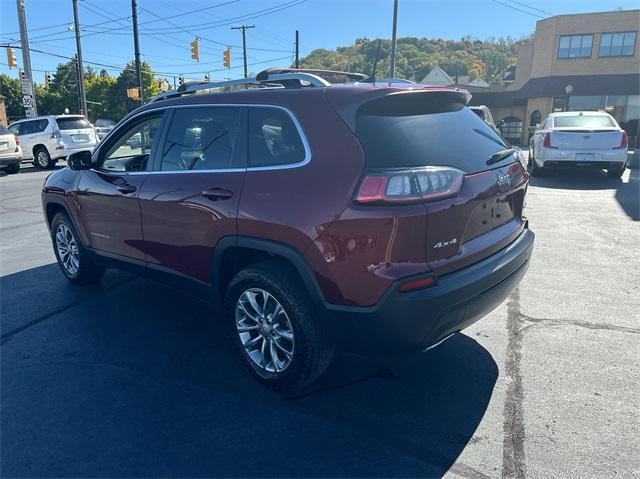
column 442, row 244
column 503, row 180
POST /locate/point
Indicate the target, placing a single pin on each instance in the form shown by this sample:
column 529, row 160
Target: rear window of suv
column 72, row 123
column 583, row 121
column 409, row 130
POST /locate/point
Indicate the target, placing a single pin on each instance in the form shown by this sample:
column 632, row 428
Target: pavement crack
column 574, row 322
column 513, row 458
column 7, row 336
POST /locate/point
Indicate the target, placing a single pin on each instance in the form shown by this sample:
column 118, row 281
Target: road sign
column 27, row 101
column 27, row 87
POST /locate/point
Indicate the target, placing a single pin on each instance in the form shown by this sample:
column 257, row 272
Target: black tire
column 616, row 172
column 312, row 346
column 42, row 158
column 86, row 271
column 13, row 169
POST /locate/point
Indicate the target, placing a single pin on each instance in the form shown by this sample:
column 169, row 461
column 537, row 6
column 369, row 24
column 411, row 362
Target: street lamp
column 568, row 90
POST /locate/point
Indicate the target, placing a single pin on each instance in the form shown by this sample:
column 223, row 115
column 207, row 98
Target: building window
column 621, row 44
column 575, row 46
column 511, row 129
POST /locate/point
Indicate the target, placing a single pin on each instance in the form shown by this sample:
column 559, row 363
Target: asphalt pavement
column 129, row 378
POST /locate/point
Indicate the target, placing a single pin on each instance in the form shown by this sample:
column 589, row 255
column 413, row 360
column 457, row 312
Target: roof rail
column 272, row 77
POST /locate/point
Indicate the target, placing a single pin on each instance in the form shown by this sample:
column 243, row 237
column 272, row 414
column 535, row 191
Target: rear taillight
column 56, row 134
column 417, row 283
column 547, row 141
column 17, row 140
column 406, row 186
column 624, row 141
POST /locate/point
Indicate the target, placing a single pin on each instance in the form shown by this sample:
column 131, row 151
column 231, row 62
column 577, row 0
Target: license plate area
column 584, row 156
column 80, row 138
column 4, row 145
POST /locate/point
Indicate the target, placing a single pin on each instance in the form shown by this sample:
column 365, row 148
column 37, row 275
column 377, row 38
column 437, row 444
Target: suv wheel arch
column 233, row 253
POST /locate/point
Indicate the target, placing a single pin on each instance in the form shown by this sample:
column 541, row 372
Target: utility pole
column 393, row 39
column 79, row 66
column 136, row 45
column 28, row 97
column 244, row 28
column 297, row 49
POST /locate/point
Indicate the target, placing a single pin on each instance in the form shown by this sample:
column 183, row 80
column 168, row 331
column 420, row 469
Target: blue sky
column 322, row 24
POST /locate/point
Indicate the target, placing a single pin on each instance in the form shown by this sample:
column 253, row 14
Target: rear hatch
column 435, row 146
column 8, row 146
column 76, row 131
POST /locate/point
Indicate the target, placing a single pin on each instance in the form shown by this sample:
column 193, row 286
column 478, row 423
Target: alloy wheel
column 67, row 249
column 264, row 330
column 43, row 159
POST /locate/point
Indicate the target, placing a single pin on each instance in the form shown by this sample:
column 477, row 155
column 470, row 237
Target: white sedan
column 585, row 139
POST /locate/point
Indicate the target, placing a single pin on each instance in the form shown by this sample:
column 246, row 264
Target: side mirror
column 80, row 160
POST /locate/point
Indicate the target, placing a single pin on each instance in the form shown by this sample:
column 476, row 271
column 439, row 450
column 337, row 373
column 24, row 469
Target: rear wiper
column 501, row 155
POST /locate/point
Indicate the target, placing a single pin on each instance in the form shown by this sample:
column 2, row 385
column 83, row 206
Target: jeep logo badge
column 503, row 180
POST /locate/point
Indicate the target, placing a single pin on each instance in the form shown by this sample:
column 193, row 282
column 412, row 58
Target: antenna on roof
column 375, row 64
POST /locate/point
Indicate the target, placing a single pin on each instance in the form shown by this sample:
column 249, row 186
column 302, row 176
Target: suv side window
column 274, row 139
column 202, row 138
column 132, row 149
column 27, row 127
column 40, row 125
column 14, row 129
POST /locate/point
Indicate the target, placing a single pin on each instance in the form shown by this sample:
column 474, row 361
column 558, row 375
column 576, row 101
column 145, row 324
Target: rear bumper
column 414, row 321
column 10, row 160
column 548, row 157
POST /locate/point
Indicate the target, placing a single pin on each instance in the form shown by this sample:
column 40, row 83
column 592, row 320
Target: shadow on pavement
column 627, row 191
column 129, row 378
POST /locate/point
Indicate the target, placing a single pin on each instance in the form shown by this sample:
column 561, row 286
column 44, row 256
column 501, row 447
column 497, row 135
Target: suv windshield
column 584, row 121
column 72, row 123
column 425, row 130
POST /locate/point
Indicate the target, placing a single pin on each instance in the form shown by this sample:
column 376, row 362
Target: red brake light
column 17, row 140
column 547, row 141
column 624, row 141
column 421, row 184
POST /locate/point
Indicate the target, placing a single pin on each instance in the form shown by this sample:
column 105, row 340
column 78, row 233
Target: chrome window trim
column 303, row 137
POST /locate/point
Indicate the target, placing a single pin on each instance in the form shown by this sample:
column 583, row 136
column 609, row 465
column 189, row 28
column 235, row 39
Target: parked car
column 373, row 218
column 103, row 127
column 10, row 151
column 582, row 139
column 47, row 139
column 484, row 112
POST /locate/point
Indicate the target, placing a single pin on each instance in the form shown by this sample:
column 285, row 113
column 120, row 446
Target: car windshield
column 72, row 123
column 584, row 121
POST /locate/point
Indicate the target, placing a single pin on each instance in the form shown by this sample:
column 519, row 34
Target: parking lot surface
column 129, row 378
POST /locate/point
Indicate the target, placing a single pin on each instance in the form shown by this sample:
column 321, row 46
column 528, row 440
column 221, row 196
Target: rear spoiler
column 403, row 102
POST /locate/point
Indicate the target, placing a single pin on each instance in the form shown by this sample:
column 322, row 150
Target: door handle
column 126, row 189
column 217, row 194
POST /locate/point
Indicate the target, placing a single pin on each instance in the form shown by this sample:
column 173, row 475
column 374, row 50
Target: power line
column 518, row 9
column 531, row 8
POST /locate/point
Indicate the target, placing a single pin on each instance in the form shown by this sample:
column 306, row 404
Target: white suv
column 46, row 139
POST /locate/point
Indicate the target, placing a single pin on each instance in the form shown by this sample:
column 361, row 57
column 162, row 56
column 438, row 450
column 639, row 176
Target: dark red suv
column 378, row 218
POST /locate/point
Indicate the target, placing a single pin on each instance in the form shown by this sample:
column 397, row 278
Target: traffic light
column 181, row 79
column 47, row 79
column 133, row 93
column 195, row 50
column 11, row 58
column 22, row 75
column 226, row 58
column 207, row 77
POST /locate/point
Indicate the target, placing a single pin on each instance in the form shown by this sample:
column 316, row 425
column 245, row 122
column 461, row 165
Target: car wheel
column 42, row 158
column 13, row 169
column 273, row 328
column 73, row 258
column 616, row 172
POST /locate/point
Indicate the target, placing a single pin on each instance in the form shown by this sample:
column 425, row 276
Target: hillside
column 417, row 56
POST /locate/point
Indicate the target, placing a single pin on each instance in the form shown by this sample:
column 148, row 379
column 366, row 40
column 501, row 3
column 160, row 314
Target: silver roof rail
column 267, row 78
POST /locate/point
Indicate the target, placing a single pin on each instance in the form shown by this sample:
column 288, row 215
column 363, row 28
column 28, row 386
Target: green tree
column 10, row 89
column 127, row 79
